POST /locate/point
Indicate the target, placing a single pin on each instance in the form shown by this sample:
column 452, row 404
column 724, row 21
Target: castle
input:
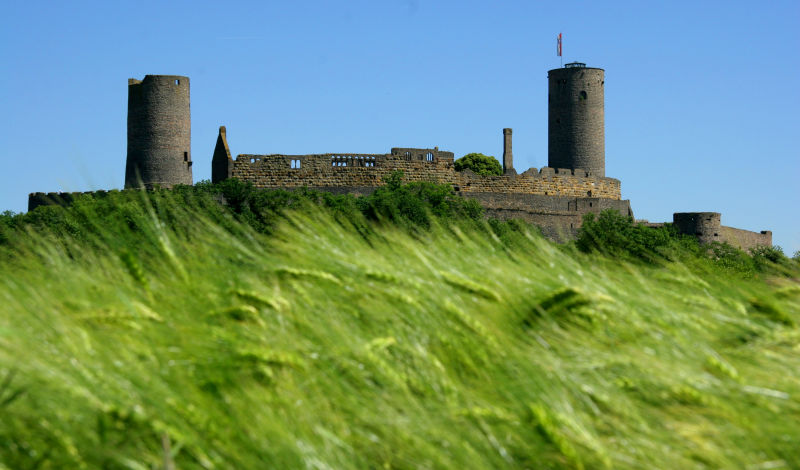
column 555, row 197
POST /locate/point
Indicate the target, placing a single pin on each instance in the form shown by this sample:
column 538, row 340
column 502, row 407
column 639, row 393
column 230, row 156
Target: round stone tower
column 703, row 225
column 159, row 132
column 576, row 118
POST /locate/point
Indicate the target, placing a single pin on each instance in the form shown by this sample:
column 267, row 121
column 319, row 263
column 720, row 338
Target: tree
column 479, row 163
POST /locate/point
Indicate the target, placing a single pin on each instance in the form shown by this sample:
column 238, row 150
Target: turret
column 159, row 132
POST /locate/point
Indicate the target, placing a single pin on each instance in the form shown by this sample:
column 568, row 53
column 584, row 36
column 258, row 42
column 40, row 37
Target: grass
column 318, row 347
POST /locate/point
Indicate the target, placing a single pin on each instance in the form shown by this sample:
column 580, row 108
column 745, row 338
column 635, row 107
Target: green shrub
column 415, row 204
column 731, row 259
column 618, row 235
column 479, row 163
column 119, row 214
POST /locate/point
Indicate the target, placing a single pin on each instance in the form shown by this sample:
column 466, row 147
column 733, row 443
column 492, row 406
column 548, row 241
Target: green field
column 186, row 340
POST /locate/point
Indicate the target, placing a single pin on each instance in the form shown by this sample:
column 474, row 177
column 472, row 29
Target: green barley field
column 196, row 342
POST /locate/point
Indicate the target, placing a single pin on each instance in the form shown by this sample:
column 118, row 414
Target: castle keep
column 576, row 119
column 159, row 132
column 555, row 197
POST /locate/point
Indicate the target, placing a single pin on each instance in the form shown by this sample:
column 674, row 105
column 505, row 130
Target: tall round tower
column 576, row 118
column 159, row 132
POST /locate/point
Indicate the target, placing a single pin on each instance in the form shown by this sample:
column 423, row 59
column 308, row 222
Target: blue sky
column 702, row 98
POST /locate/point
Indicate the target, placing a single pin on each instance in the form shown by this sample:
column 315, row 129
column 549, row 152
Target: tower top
column 573, row 67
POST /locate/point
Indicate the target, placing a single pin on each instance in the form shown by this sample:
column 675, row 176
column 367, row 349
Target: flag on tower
column 559, row 44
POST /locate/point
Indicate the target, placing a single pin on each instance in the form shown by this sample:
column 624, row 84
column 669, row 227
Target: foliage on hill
column 618, row 236
column 479, row 163
column 209, row 343
column 413, row 206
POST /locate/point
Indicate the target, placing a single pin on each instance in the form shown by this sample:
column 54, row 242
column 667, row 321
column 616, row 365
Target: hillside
column 185, row 339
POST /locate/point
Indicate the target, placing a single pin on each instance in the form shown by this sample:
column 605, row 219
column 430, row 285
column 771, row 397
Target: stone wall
column 60, row 198
column 707, row 227
column 559, row 217
column 368, row 170
column 555, row 199
column 745, row 239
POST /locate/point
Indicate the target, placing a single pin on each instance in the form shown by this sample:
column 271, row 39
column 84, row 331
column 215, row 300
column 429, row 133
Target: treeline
column 121, row 218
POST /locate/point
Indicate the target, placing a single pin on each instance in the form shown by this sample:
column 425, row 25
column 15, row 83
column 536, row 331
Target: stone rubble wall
column 368, row 170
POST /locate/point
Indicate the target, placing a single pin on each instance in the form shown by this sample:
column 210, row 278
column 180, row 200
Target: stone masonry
column 159, row 132
column 576, row 118
column 553, row 198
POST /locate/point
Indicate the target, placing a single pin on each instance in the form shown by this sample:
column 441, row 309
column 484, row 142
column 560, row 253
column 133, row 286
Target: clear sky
column 702, row 97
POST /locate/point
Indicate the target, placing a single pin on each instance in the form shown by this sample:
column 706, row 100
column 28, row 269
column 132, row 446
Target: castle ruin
column 555, row 197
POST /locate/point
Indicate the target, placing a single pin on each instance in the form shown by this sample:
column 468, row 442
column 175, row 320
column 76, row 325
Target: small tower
column 576, row 118
column 159, row 132
column 703, row 225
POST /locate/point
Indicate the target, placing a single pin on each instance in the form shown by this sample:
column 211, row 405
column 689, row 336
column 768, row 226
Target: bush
column 479, row 163
column 732, row 259
column 618, row 235
column 119, row 214
column 415, row 203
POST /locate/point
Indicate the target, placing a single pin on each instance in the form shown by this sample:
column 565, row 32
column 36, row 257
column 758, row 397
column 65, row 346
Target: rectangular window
column 295, row 164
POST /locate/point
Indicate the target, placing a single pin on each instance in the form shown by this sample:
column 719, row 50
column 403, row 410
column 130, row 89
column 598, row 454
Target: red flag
column 559, row 44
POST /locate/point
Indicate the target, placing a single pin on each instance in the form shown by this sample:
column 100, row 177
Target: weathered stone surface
column 159, row 132
column 707, row 227
column 576, row 119
column 367, row 170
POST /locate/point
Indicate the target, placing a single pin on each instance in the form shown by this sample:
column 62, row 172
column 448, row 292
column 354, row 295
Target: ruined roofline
column 396, row 152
